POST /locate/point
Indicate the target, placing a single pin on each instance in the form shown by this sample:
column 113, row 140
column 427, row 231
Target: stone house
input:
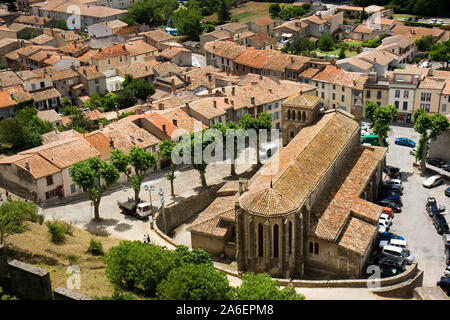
column 262, row 25
column 111, row 57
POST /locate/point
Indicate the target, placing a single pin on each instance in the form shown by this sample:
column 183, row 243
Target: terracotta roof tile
column 111, row 52
column 226, row 49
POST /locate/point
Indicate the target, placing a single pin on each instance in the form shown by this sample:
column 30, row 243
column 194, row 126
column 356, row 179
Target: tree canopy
column 440, row 52
column 24, row 130
column 326, row 42
column 194, row 282
column 134, row 165
column 429, row 127
column 152, row 12
column 262, row 287
column 188, row 22
column 165, row 152
column 380, row 118
column 95, row 176
column 223, row 11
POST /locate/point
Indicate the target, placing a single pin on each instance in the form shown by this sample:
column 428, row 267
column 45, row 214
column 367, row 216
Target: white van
column 397, row 253
column 393, row 242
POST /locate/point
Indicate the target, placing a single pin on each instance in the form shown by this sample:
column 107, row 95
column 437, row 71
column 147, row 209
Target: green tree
column 126, row 98
column 81, row 123
column 134, row 165
column 61, row 24
column 110, row 102
column 13, row 214
column 223, row 11
column 165, row 152
column 139, row 266
column 95, row 177
column 429, row 127
column 342, row 52
column 141, row 88
column 195, row 256
column 440, row 52
column 262, row 287
column 304, row 45
column 380, row 118
column 70, row 110
column 326, row 42
column 262, row 122
column 274, row 9
column 194, row 282
column 424, row 43
column 188, row 22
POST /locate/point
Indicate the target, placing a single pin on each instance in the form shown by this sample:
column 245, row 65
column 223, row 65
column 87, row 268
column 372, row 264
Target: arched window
column 293, row 115
column 275, row 241
column 299, row 117
column 289, row 114
column 292, row 134
column 311, row 247
column 304, row 116
column 260, row 240
column 316, row 248
column 290, row 237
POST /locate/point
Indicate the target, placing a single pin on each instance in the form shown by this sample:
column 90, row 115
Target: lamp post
column 161, row 198
column 150, row 188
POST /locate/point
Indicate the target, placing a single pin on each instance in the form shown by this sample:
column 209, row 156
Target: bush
column 263, row 287
column 56, row 230
column 73, row 258
column 325, row 43
column 40, row 219
column 194, row 282
column 4, row 296
column 95, row 248
column 196, row 256
column 139, row 266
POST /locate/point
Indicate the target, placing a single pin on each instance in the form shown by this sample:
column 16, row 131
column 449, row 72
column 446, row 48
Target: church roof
column 267, row 201
column 301, row 100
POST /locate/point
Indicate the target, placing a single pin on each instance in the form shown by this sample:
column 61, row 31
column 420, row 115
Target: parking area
column 413, row 223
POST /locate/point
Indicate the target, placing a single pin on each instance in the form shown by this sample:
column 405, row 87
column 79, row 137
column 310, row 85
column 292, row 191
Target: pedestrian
column 148, row 238
column 145, row 238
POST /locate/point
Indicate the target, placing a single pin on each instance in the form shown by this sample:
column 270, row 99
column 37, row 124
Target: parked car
column 398, row 254
column 391, row 204
column 435, row 162
column 386, row 218
column 412, row 151
column 392, row 181
column 390, row 235
column 446, row 167
column 393, row 187
column 393, row 242
column 385, row 271
column 447, row 192
column 384, row 193
column 405, row 142
column 447, row 255
column 447, row 271
column 396, row 198
column 440, row 223
column 382, row 227
column 390, row 169
column 385, row 261
column 444, row 283
column 433, row 181
column 431, row 206
column 446, row 238
column 388, row 211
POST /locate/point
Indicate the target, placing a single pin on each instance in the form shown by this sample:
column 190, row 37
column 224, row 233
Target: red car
column 388, row 211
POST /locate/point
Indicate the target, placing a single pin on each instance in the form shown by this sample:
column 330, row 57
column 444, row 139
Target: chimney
column 209, row 78
column 232, row 103
column 132, row 139
column 111, row 143
column 226, row 100
column 375, row 60
column 332, row 62
column 292, row 59
column 27, row 166
column 100, row 127
column 223, row 89
column 96, row 67
column 161, row 106
column 123, row 47
column 270, row 90
column 188, row 79
column 139, row 111
column 164, row 128
column 175, row 122
column 253, row 100
column 260, row 77
column 173, row 85
column 233, row 92
column 215, row 104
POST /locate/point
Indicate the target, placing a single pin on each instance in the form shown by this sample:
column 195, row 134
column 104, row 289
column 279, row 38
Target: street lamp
column 161, row 198
column 150, row 188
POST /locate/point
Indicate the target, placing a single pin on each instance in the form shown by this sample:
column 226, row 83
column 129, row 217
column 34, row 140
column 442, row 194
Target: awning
column 286, row 35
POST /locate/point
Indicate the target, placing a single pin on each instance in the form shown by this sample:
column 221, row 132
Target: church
column 308, row 209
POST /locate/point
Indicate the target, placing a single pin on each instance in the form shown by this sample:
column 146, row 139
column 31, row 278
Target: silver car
column 398, row 253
